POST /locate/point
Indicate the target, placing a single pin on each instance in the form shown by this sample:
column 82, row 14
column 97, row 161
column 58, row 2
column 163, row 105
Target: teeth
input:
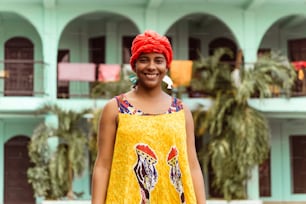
column 152, row 76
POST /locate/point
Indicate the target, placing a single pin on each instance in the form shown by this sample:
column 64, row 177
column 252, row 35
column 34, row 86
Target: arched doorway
column 17, row 190
column 19, row 65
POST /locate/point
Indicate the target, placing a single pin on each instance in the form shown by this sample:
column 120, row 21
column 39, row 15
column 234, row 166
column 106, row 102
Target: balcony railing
column 26, row 78
column 22, row 78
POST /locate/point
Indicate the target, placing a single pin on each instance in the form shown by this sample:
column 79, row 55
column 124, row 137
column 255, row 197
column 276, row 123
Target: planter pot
column 208, row 202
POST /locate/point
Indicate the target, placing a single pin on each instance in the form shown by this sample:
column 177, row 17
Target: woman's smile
column 151, row 75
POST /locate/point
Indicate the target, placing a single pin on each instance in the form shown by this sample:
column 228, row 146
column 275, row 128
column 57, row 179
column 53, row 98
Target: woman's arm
column 106, row 141
column 196, row 172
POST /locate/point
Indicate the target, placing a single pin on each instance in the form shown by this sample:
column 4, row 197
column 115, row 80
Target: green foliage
column 38, row 175
column 53, row 172
column 239, row 137
column 268, row 70
column 58, row 172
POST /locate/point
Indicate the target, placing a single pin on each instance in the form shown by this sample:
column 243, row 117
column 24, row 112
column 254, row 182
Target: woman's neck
column 151, row 93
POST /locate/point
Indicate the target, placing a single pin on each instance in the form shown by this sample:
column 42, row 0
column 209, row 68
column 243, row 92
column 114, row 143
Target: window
column 194, row 48
column 97, row 49
column 126, row 48
column 297, row 49
column 63, row 86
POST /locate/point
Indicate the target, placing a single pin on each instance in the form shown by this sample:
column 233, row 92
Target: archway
column 192, row 34
column 103, row 37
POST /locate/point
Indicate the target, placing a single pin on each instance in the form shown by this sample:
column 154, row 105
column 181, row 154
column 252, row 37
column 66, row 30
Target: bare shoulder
column 187, row 111
column 185, row 106
column 110, row 110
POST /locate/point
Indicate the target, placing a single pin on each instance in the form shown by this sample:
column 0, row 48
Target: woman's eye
column 159, row 61
column 142, row 60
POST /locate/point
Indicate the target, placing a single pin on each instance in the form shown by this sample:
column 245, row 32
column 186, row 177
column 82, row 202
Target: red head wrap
column 148, row 42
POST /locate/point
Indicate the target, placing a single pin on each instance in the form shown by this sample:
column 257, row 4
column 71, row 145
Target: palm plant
column 52, row 173
column 239, row 137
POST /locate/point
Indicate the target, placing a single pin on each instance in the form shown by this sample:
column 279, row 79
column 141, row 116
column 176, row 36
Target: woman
column 146, row 146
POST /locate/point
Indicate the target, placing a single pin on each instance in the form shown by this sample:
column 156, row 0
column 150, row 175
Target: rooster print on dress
column 145, row 171
column 175, row 173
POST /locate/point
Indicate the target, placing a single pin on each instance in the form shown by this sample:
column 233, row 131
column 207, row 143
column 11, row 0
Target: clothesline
column 180, row 72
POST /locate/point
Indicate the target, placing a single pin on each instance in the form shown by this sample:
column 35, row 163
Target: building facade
column 36, row 35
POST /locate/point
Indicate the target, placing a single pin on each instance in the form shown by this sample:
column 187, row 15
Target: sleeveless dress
column 150, row 163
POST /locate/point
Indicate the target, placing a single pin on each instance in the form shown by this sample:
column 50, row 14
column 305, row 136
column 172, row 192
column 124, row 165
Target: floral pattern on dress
column 125, row 107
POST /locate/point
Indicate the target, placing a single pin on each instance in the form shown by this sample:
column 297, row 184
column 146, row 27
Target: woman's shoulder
column 110, row 108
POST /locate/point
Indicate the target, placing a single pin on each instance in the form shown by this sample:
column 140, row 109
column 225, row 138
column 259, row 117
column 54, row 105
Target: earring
column 134, row 79
column 168, row 81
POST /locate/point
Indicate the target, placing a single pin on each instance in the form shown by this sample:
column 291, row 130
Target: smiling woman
column 131, row 166
column 151, row 69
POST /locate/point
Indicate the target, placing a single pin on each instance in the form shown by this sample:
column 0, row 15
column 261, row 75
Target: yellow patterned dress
column 150, row 162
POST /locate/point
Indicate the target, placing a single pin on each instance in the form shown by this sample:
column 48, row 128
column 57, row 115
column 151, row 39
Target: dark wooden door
column 63, row 86
column 194, row 48
column 96, row 54
column 97, row 49
column 17, row 190
column 126, row 48
column 298, row 163
column 19, row 64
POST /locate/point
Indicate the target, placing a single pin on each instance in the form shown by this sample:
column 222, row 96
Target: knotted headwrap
column 150, row 41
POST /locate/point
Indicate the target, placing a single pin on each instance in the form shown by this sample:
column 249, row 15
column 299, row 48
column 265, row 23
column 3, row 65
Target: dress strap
column 176, row 105
column 125, row 107
column 122, row 106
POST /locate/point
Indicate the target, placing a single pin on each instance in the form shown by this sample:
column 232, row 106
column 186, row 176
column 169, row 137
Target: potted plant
column 55, row 167
column 238, row 134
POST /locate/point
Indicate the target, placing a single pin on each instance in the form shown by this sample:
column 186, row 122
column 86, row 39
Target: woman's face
column 150, row 69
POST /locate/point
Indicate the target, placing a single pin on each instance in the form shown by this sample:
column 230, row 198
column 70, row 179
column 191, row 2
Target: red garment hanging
column 109, row 72
column 299, row 65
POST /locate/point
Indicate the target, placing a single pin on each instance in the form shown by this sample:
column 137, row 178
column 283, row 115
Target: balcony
column 24, row 92
column 22, row 78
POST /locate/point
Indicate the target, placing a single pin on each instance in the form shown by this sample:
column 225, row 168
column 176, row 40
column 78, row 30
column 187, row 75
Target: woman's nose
column 152, row 64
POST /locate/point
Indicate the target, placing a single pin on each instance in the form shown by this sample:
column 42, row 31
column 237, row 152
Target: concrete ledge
column 234, row 202
column 208, row 202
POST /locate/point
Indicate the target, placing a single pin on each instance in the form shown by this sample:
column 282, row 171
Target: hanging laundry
column 109, row 72
column 76, row 71
column 299, row 65
column 301, row 74
column 181, row 72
